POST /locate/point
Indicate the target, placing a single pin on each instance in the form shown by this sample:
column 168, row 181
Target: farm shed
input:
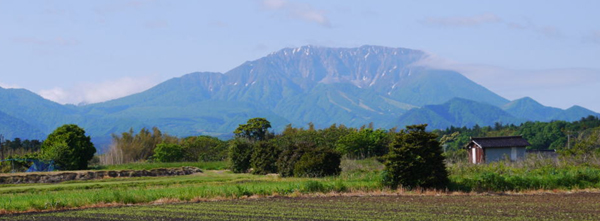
column 489, row 149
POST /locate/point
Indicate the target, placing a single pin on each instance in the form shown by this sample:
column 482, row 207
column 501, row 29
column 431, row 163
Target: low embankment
column 56, row 177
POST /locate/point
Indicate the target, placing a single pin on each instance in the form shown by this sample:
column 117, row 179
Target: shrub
column 415, row 160
column 240, row 153
column 287, row 160
column 264, row 158
column 306, row 159
column 168, row 152
column 318, row 162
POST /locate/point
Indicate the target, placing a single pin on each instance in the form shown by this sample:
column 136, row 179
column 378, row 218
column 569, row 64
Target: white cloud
column 274, row 4
column 553, row 87
column 547, row 31
column 57, row 94
column 304, row 12
column 463, row 21
column 99, row 92
column 6, row 86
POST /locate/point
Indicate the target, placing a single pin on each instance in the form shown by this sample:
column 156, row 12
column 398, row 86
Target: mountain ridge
column 351, row 86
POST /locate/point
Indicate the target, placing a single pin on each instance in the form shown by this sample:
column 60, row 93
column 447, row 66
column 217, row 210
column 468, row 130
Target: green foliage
column 364, row 143
column 19, row 147
column 264, row 158
column 240, row 154
column 69, row 147
column 415, row 160
column 587, row 144
column 131, row 147
column 318, row 162
column 533, row 173
column 307, row 159
column 541, row 135
column 204, row 148
column 255, row 129
column 290, row 156
column 168, row 152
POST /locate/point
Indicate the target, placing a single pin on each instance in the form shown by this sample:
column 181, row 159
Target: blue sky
column 92, row 51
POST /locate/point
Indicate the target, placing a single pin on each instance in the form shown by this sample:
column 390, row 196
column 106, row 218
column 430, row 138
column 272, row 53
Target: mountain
column 457, row 112
column 12, row 127
column 351, row 86
column 527, row 108
column 574, row 113
column 37, row 112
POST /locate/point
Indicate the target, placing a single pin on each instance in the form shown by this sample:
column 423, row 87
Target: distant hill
column 12, row 127
column 39, row 114
column 527, row 108
column 351, row 86
column 574, row 113
column 457, row 112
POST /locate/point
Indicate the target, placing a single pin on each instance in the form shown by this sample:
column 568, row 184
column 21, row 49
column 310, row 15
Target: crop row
column 578, row 206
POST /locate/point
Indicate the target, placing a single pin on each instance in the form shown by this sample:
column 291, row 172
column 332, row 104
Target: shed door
column 474, row 154
column 513, row 153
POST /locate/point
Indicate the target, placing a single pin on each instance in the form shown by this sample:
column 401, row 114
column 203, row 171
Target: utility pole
column 1, row 147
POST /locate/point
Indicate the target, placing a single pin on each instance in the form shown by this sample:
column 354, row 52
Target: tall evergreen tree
column 415, row 160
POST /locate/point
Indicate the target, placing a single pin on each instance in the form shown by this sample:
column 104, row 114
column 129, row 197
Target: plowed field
column 564, row 206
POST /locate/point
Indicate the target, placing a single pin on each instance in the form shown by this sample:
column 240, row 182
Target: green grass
column 213, row 165
column 530, row 174
column 211, row 184
column 356, row 176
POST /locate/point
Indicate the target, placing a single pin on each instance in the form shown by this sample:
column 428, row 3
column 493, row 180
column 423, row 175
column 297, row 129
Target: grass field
column 576, row 206
column 360, row 177
column 207, row 185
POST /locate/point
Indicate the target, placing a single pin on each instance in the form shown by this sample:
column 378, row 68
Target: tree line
column 555, row 135
column 298, row 151
column 412, row 156
column 10, row 149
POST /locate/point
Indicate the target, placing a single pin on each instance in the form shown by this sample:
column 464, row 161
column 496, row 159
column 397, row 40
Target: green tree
column 204, row 148
column 255, row 129
column 415, row 160
column 168, row 152
column 364, row 143
column 587, row 144
column 264, row 157
column 69, row 147
column 240, row 153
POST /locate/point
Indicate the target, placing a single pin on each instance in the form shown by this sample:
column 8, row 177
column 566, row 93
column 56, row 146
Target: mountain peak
column 351, row 86
column 527, row 102
column 362, row 50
